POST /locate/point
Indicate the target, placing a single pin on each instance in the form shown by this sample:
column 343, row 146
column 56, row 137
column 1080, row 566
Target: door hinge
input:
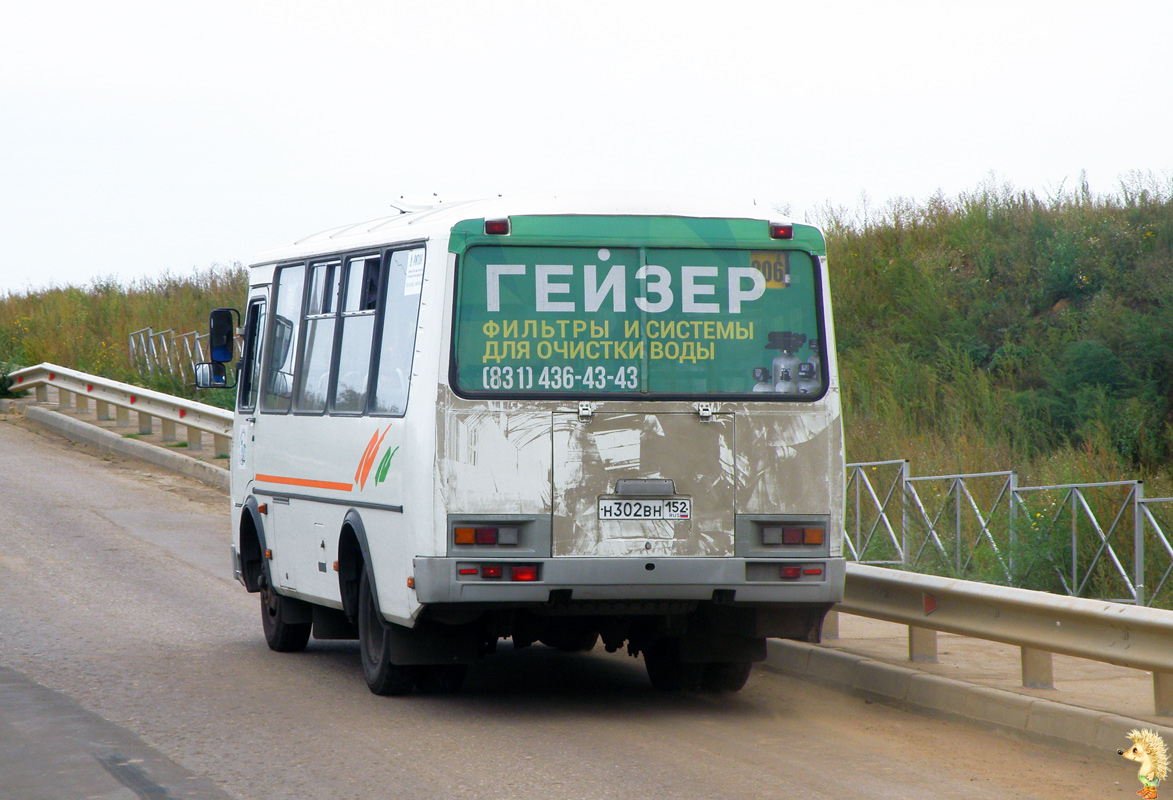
column 705, row 410
column 584, row 411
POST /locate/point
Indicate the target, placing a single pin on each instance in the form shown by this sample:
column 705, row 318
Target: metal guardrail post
column 922, row 645
column 1038, row 670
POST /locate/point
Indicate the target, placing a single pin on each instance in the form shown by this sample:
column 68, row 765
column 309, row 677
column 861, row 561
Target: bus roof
column 427, row 222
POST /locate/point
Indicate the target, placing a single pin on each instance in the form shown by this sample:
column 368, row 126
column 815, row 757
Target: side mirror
column 222, row 334
column 212, row 375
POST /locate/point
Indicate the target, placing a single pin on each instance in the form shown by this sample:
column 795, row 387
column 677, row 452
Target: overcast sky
column 144, row 137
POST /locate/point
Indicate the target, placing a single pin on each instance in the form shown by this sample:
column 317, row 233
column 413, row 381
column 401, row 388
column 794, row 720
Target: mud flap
column 432, row 643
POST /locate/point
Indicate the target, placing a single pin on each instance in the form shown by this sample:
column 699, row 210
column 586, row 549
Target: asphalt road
column 133, row 666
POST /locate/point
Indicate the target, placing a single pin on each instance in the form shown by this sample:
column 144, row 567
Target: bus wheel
column 665, row 669
column 374, row 644
column 726, row 677
column 440, row 678
column 282, row 636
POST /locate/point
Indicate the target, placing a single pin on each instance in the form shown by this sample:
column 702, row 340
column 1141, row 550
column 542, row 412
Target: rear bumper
column 438, row 580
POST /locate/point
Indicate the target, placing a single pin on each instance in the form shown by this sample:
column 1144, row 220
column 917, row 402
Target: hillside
column 994, row 330
column 998, row 330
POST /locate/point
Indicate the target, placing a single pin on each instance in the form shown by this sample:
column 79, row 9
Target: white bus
column 552, row 420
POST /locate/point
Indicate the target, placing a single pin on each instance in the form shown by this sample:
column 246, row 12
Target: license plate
column 650, row 508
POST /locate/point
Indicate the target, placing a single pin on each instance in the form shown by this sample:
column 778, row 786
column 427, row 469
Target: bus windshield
column 540, row 321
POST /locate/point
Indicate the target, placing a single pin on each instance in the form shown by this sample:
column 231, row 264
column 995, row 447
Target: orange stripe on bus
column 341, row 487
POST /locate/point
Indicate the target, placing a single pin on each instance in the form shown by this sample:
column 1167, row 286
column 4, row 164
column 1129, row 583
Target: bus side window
column 358, row 331
column 401, row 301
column 250, row 378
column 282, row 344
column 314, row 373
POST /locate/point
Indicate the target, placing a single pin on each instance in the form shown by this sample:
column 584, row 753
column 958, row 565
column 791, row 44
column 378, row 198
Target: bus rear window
column 582, row 321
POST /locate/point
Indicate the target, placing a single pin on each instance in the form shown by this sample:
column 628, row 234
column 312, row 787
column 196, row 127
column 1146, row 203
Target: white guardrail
column 77, row 389
column 1039, row 623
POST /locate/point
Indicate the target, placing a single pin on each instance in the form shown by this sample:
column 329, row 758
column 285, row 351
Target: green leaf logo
column 384, row 465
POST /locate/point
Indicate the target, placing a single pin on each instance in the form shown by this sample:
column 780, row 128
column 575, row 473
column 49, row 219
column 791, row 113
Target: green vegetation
column 88, row 328
column 1002, row 331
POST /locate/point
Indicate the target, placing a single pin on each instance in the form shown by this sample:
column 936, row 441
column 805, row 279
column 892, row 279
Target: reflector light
column 791, row 573
column 792, row 536
column 486, row 536
column 780, row 231
column 524, row 573
column 468, row 570
column 812, row 535
column 497, row 227
column 465, row 536
column 491, row 571
column 812, row 571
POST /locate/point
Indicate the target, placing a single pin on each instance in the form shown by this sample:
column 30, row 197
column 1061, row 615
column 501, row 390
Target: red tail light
column 524, row 573
column 497, row 227
column 791, row 573
column 492, row 571
column 781, row 231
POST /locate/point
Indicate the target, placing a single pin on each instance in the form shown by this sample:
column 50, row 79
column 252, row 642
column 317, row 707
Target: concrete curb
column 110, row 442
column 1094, row 733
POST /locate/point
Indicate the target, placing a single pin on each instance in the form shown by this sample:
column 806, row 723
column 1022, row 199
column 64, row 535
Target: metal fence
column 1101, row 540
column 169, row 353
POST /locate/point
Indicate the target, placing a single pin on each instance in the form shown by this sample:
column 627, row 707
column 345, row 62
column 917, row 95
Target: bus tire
column 665, row 669
column 374, row 645
column 726, row 676
column 282, row 636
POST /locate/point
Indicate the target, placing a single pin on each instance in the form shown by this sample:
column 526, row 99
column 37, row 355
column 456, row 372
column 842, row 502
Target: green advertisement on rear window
column 630, row 321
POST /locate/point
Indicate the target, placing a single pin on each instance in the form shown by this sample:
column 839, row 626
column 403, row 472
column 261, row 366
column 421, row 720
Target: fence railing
column 1105, row 540
column 78, row 389
column 166, row 352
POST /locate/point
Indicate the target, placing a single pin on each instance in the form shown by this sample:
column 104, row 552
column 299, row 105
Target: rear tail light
column 780, row 230
column 522, row 573
column 528, row 572
column 497, row 227
column 791, row 535
column 791, row 573
column 486, row 535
